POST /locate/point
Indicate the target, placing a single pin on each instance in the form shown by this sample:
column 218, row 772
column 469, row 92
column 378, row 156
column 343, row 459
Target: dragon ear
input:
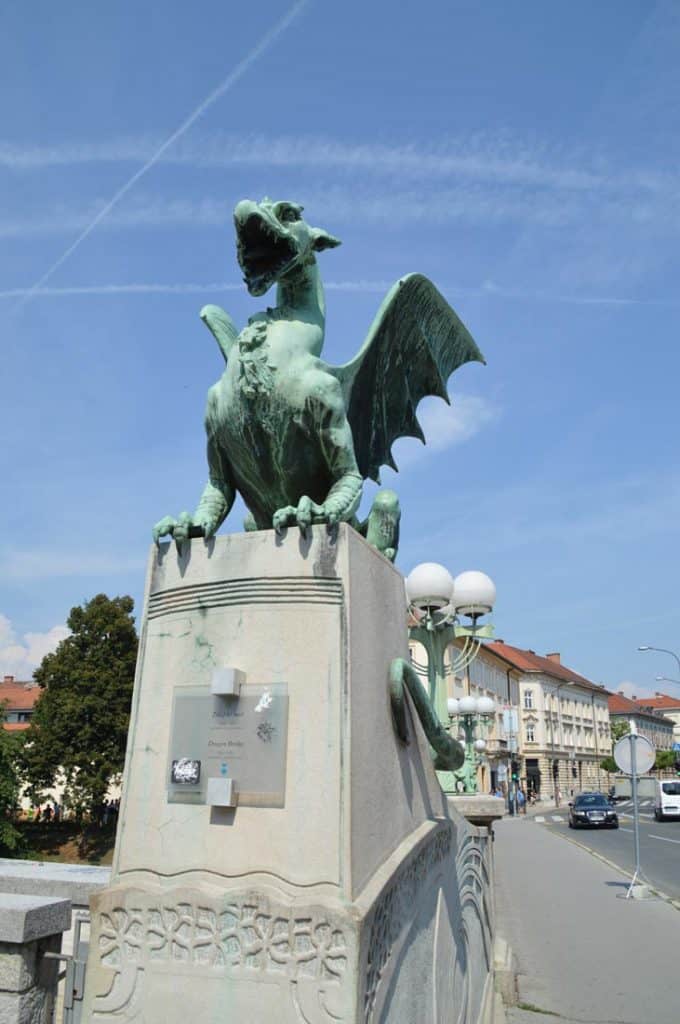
column 322, row 240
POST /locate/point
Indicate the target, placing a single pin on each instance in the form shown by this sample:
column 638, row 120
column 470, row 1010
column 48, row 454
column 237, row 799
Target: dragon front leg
column 449, row 753
column 212, row 509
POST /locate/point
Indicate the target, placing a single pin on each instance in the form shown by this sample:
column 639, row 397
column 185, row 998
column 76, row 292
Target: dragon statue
column 293, row 435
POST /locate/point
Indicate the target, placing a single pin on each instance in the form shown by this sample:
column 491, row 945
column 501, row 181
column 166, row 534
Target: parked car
column 592, row 809
column 667, row 799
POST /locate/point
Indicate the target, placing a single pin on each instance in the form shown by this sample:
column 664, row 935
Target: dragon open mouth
column 264, row 252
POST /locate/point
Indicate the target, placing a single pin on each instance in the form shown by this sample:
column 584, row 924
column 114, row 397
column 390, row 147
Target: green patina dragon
column 293, row 435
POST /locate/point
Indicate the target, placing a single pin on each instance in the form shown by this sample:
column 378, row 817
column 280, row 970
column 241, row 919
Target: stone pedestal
column 361, row 898
column 479, row 809
column 30, row 926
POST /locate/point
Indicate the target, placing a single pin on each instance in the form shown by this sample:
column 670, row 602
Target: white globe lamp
column 486, row 706
column 480, row 746
column 429, row 586
column 452, row 706
column 468, row 705
column 474, row 593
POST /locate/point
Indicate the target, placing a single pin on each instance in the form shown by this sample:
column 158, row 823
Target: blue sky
column 523, row 156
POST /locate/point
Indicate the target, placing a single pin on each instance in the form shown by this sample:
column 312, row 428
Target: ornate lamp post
column 436, row 603
column 475, row 715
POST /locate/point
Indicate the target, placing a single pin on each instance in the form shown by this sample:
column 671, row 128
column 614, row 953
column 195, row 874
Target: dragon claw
column 306, row 513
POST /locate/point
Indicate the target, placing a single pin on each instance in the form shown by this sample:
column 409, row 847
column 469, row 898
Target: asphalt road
column 659, row 843
column 583, row 953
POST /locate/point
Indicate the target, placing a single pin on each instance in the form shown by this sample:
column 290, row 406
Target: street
column 583, row 954
column 659, row 842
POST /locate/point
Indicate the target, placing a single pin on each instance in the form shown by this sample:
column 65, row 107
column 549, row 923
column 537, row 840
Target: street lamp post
column 667, row 679
column 662, row 650
column 436, row 604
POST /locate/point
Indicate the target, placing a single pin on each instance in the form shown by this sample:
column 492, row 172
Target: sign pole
column 634, row 754
column 636, row 816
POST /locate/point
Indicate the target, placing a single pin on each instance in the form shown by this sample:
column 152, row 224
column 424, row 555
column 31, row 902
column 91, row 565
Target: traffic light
column 514, row 770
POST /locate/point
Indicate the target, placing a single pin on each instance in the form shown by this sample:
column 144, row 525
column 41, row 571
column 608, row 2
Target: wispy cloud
column 141, row 288
column 182, row 288
column 479, row 157
column 232, row 78
column 19, row 657
column 631, row 690
column 488, row 289
column 396, row 209
column 444, row 426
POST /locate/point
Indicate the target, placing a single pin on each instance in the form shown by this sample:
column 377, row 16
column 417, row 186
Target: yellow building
column 564, row 724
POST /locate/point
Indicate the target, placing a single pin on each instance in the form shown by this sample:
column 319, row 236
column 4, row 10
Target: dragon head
column 273, row 241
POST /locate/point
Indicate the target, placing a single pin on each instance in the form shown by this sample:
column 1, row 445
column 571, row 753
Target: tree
column 618, row 727
column 79, row 726
column 664, row 759
column 608, row 764
column 10, row 838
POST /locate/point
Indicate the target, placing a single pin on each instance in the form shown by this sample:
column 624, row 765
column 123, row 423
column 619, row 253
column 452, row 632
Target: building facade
column 669, row 707
column 651, row 723
column 18, row 699
column 563, row 724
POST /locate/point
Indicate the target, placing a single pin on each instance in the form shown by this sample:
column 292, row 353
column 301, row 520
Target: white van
column 667, row 799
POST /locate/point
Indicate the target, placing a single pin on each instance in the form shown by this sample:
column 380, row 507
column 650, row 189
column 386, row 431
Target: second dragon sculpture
column 293, row 435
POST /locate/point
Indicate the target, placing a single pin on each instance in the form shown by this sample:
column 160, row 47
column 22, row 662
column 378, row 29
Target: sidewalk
column 582, row 954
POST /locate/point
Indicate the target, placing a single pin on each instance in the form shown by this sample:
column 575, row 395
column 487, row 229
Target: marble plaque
column 241, row 738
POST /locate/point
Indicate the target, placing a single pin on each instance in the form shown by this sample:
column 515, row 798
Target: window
column 528, row 699
column 530, row 734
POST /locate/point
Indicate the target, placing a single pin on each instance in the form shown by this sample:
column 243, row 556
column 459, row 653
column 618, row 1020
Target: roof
column 19, row 696
column 620, row 705
column 659, row 703
column 529, row 661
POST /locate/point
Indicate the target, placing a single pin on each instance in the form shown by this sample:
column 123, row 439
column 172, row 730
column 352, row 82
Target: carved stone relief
column 240, row 936
column 396, row 906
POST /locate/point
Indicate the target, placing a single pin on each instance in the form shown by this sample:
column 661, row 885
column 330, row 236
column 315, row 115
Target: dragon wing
column 415, row 343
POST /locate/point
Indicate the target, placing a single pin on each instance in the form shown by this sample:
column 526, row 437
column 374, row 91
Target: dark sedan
column 592, row 810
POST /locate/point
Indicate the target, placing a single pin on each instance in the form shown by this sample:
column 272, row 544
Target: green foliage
column 10, row 838
column 618, row 727
column 608, row 764
column 664, row 759
column 79, row 726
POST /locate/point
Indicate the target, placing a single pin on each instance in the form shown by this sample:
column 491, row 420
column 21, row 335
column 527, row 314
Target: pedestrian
column 37, row 814
column 57, row 812
column 47, row 814
column 521, row 801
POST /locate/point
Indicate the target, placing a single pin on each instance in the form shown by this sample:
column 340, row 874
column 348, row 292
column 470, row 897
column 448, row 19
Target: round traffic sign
column 645, row 754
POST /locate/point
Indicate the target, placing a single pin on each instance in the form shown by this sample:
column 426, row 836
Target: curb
column 505, row 979
column 675, row 903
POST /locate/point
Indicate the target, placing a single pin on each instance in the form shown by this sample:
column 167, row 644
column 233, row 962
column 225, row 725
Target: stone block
column 17, row 966
column 29, row 1007
column 24, row 918
column 74, row 882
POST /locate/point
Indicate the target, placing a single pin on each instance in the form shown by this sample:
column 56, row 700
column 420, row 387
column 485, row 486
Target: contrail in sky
column 270, row 37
